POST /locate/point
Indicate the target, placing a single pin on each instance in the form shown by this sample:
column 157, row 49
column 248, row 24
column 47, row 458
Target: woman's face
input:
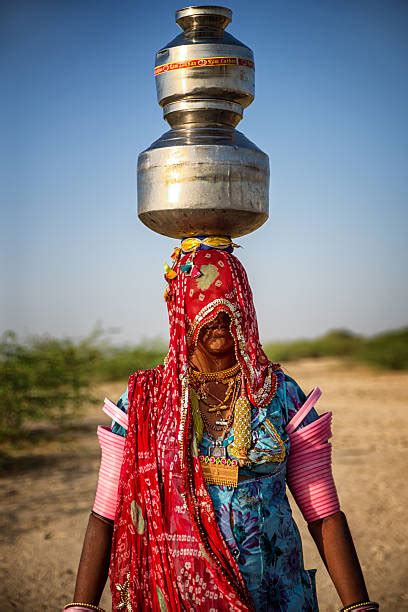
column 216, row 337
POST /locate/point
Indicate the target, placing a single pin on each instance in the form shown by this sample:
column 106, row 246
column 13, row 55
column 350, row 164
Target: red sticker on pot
column 199, row 62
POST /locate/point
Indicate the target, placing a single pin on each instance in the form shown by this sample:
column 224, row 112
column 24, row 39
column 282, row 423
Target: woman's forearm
column 94, row 563
column 335, row 544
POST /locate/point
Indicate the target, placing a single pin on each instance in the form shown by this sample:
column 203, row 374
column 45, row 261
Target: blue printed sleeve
column 123, row 404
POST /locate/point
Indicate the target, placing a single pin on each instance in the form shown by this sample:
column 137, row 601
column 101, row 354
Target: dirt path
column 46, row 498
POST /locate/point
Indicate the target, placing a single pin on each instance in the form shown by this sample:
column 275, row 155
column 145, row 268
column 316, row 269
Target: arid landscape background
column 47, row 491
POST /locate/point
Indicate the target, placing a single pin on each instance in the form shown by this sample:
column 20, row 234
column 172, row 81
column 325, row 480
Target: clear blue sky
column 79, row 103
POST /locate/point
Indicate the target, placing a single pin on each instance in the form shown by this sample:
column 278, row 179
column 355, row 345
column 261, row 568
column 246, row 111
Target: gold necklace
column 231, row 394
column 221, row 423
column 204, row 393
column 200, row 382
column 220, row 376
column 218, row 425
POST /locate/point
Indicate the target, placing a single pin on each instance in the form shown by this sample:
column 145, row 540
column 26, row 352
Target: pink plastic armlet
column 112, row 446
column 115, row 413
column 309, row 473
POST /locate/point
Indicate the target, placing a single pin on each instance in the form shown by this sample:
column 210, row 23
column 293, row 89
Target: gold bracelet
column 359, row 605
column 84, row 605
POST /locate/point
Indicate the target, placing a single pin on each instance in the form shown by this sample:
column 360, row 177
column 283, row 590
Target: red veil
column 168, row 552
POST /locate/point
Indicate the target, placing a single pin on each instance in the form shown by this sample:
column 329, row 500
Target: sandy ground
column 47, row 494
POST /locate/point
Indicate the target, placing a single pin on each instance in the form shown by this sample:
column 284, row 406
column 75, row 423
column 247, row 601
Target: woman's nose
column 220, row 324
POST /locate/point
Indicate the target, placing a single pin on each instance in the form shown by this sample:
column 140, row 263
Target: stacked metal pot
column 203, row 177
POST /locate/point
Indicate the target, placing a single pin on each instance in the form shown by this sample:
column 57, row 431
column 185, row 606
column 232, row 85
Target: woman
column 202, row 520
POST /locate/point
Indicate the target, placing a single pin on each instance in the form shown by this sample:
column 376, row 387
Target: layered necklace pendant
column 206, row 385
column 221, row 422
column 218, row 450
column 217, row 468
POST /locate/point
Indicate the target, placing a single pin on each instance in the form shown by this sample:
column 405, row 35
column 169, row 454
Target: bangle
column 363, row 606
column 80, row 608
column 103, row 519
column 74, row 604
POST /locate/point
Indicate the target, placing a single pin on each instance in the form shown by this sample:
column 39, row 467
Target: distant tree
column 42, row 378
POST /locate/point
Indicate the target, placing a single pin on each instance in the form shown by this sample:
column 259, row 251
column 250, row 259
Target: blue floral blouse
column 255, row 517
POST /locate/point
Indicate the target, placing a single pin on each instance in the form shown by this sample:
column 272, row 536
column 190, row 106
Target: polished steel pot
column 203, row 176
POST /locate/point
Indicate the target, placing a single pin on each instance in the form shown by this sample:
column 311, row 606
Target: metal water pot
column 203, row 176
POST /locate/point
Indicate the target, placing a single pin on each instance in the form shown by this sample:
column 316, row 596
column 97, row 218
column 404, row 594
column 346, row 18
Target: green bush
column 387, row 350
column 339, row 343
column 42, row 378
column 117, row 363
